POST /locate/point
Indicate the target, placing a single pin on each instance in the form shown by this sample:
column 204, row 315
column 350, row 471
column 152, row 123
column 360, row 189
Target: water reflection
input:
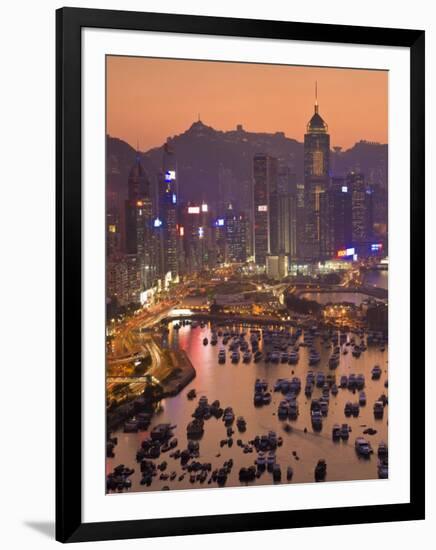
column 377, row 278
column 233, row 385
column 355, row 298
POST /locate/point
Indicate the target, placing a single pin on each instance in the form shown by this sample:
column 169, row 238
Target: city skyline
column 144, row 108
column 246, row 297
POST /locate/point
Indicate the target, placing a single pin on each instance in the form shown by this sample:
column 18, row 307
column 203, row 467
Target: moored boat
column 363, row 447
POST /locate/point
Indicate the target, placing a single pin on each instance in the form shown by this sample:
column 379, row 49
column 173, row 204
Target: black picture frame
column 69, row 23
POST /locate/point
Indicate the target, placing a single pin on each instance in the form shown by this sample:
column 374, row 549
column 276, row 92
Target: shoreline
column 181, row 375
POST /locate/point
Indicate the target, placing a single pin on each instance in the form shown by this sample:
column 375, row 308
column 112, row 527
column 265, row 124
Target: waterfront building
column 277, row 266
column 316, row 181
column 265, row 204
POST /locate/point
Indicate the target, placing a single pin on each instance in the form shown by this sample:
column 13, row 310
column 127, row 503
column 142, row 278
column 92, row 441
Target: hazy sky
column 151, row 99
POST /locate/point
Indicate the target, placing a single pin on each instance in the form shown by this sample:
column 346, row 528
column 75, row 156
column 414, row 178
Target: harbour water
column 376, row 277
column 232, row 384
column 324, row 298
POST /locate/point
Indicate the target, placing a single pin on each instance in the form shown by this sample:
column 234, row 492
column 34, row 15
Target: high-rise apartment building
column 361, row 211
column 236, row 236
column 265, row 205
column 168, row 197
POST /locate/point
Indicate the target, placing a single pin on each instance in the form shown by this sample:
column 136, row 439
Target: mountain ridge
column 203, row 153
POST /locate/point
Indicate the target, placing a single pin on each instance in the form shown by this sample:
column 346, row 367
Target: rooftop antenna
column 316, row 96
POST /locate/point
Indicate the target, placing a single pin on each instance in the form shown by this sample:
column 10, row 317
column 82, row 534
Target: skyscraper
column 287, row 212
column 226, row 189
column 265, row 234
column 138, row 224
column 340, row 214
column 113, row 224
column 198, row 233
column 287, row 222
column 316, row 180
column 168, row 197
column 361, row 211
column 301, row 220
column 138, row 193
column 236, row 236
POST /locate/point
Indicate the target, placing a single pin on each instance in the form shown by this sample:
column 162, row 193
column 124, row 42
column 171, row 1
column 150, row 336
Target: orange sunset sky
column 149, row 100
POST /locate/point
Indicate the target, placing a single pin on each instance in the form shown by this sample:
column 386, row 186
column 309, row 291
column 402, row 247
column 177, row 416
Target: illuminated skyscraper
column 236, row 236
column 287, row 212
column 138, row 223
column 197, row 233
column 265, row 206
column 340, row 214
column 226, row 189
column 361, row 211
column 168, row 199
column 301, row 220
column 316, row 180
column 113, row 225
column 287, row 225
column 137, row 189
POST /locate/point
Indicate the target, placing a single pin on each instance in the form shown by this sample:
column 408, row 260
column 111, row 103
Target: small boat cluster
column 205, row 411
column 261, row 394
column 364, row 450
column 282, row 346
column 161, row 440
column 288, row 407
column 382, row 463
column 119, row 479
column 341, row 432
column 274, row 347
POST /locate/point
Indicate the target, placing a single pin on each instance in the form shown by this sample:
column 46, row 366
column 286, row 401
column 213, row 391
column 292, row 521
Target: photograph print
column 246, row 274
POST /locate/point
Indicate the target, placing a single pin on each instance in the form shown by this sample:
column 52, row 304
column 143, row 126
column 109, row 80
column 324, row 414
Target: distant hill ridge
column 201, row 151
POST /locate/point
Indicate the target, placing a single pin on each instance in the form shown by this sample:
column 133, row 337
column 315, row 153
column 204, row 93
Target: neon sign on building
column 346, row 252
column 193, row 210
column 170, row 175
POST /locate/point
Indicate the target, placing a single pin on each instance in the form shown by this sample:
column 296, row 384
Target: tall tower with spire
column 316, row 183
